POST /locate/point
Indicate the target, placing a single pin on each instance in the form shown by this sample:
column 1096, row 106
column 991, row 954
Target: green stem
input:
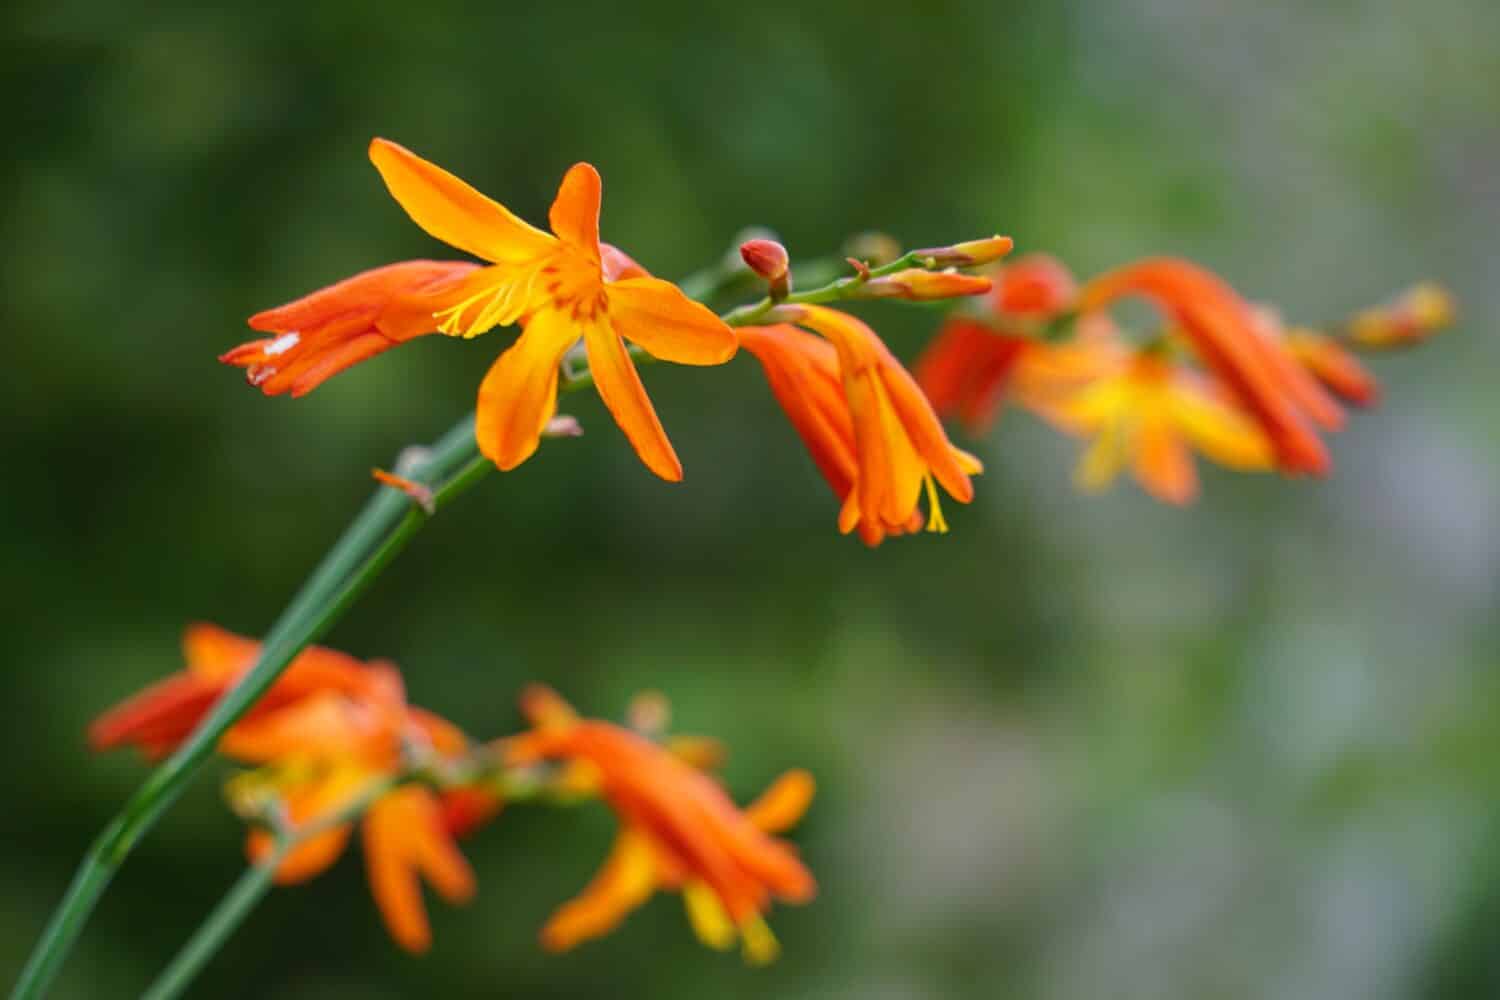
column 380, row 531
column 248, row 891
column 834, row 291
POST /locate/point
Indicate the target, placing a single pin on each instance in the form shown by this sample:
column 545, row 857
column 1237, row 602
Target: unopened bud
column 563, row 426
column 649, row 713
column 873, row 247
column 769, row 259
column 925, row 286
column 969, row 254
column 1412, row 318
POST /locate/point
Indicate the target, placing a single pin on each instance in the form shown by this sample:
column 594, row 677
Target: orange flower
column 1147, row 414
column 321, row 334
column 159, row 718
column 878, row 442
column 1222, row 329
column 679, row 830
column 328, row 732
column 564, row 286
column 1334, row 365
column 967, row 368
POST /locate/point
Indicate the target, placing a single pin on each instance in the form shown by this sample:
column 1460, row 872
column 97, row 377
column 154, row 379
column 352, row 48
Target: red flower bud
column 768, row 259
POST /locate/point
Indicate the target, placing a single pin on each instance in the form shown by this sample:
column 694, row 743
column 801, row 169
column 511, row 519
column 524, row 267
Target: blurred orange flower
column 1412, row 318
column 1334, row 365
column 1147, row 414
column 563, row 286
column 869, row 428
column 1222, row 329
column 329, row 731
column 678, row 831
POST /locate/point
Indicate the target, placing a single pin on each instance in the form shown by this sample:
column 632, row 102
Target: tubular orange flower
column 321, row 334
column 870, row 430
column 1147, row 414
column 159, row 718
column 1222, row 329
column 966, row 369
column 679, row 830
column 558, row 284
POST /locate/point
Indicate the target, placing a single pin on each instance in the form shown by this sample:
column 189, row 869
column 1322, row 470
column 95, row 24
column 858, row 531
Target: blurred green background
column 1079, row 747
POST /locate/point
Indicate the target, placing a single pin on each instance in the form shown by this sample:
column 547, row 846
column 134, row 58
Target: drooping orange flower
column 1147, row 414
column 678, row 831
column 968, row 367
column 329, row 731
column 876, row 440
column 321, row 334
column 1222, row 329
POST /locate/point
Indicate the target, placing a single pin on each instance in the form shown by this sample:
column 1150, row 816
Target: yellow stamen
column 935, row 520
column 710, row 923
column 758, row 944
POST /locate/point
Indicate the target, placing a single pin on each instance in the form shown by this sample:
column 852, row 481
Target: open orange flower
column 326, row 733
column 877, row 441
column 679, row 830
column 1147, row 414
column 1222, row 329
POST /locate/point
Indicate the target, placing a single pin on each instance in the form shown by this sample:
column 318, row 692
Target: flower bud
column 923, row 286
column 972, row 253
column 769, row 259
column 1412, row 318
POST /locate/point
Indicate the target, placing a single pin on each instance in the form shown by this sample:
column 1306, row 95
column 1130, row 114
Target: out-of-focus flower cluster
column 334, row 744
column 1219, row 375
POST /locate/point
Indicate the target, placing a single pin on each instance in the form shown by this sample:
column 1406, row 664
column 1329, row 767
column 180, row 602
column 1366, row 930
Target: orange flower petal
column 393, row 881
column 782, row 805
column 656, row 315
column 575, row 211
column 1163, row 465
column 519, row 395
column 620, row 386
column 624, row 882
column 452, row 211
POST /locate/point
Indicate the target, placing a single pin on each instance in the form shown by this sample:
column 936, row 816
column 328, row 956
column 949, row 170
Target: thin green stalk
column 382, row 528
column 251, row 887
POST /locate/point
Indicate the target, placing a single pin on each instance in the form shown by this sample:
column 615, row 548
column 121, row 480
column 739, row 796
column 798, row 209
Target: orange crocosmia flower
column 1147, row 414
column 321, row 334
column 1253, row 365
column 678, row 831
column 159, row 718
column 966, row 369
column 877, row 441
column 1334, row 365
column 560, row 286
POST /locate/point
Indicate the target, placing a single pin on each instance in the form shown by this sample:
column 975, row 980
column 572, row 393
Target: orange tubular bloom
column 321, row 334
column 967, row 368
column 877, row 441
column 559, row 285
column 1147, row 414
column 1334, row 365
column 329, row 730
column 159, row 718
column 679, row 830
column 1259, row 371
